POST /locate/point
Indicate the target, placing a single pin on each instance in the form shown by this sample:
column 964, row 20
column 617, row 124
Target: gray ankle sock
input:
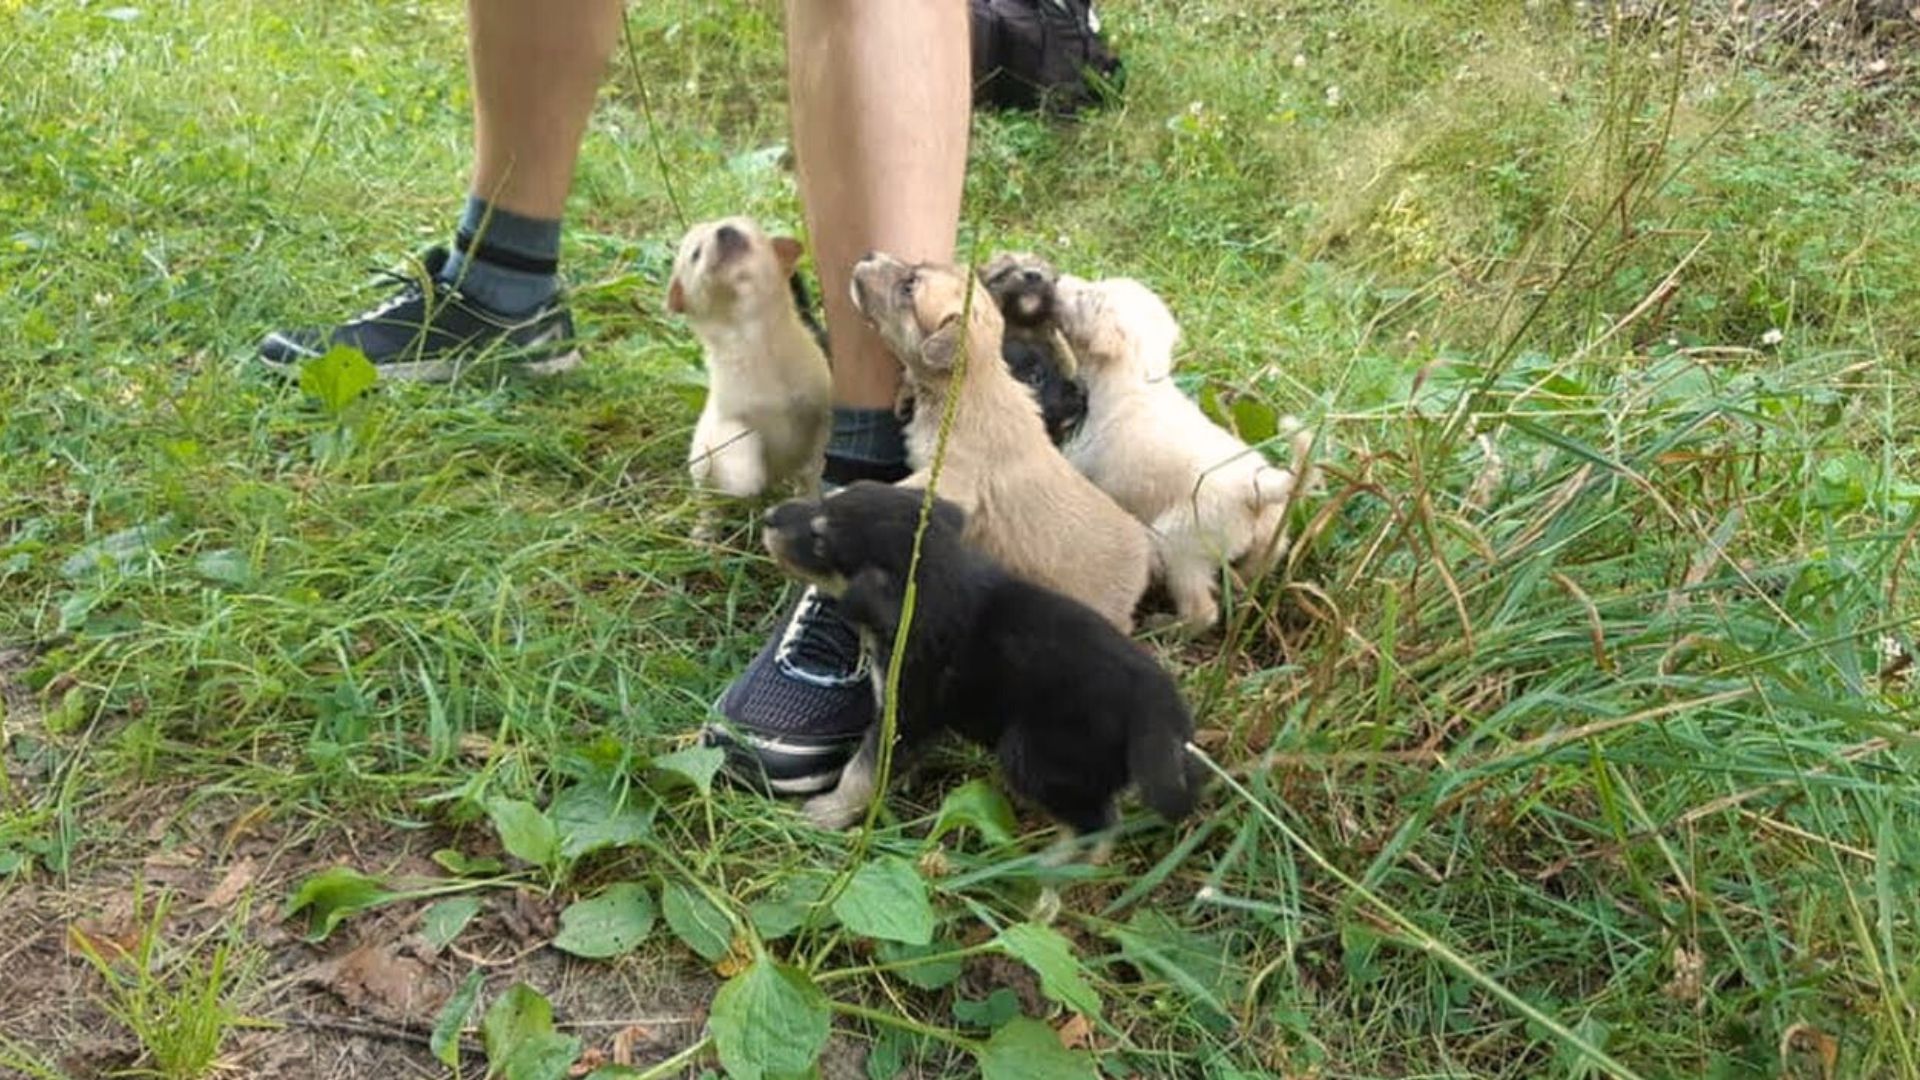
column 866, row 444
column 505, row 261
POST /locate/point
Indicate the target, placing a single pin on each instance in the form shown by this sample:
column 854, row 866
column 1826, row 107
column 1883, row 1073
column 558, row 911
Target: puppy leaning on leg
column 1208, row 497
column 1073, row 709
column 769, row 391
column 1025, row 506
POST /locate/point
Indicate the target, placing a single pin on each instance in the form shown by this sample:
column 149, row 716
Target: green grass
column 1607, row 746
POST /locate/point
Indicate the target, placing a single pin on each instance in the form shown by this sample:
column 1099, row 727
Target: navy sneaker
column 428, row 331
column 796, row 715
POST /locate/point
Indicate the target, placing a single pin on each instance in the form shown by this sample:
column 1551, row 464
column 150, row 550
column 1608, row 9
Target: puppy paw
column 1046, row 907
column 830, row 812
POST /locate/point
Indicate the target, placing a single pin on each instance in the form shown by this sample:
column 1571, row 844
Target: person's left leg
column 881, row 96
column 536, row 69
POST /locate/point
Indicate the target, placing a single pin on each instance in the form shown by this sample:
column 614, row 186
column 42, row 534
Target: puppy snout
column 729, row 240
column 1032, row 277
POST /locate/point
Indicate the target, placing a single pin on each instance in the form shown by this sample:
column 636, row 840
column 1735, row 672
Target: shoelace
column 409, row 290
column 820, row 642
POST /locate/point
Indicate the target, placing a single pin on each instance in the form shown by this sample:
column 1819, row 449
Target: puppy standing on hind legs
column 769, row 392
column 1074, row 711
column 1025, row 506
column 1209, row 499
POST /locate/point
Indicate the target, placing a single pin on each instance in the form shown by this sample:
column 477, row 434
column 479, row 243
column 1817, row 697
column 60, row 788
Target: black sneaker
column 796, row 715
column 428, row 331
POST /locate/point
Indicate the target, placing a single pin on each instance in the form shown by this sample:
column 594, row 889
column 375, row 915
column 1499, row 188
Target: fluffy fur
column 1208, row 497
column 1073, row 709
column 1021, row 284
column 1025, row 505
column 769, row 392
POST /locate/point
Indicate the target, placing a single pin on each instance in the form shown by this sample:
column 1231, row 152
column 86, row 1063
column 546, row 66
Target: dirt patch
column 359, row 1005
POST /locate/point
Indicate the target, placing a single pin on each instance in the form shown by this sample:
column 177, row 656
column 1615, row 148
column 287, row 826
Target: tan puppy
column 1025, row 505
column 1210, row 499
column 769, row 392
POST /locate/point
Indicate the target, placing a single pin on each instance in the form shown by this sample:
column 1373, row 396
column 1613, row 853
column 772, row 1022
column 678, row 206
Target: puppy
column 769, row 392
column 1034, row 350
column 1209, row 498
column 1073, row 710
column 1025, row 506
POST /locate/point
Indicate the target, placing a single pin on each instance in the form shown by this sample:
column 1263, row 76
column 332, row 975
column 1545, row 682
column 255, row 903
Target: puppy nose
column 1033, row 277
column 870, row 255
column 728, row 234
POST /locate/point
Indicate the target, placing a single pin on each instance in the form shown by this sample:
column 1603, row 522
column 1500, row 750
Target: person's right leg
column 881, row 96
column 536, row 69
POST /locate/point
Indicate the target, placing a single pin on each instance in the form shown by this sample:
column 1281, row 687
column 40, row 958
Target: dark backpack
column 1040, row 54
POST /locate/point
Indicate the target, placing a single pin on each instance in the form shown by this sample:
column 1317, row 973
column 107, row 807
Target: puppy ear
column 676, row 297
column 937, row 351
column 787, row 250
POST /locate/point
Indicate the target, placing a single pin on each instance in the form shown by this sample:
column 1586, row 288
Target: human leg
column 880, row 100
column 535, row 71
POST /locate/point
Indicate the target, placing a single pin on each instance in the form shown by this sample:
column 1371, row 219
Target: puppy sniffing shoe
column 769, row 390
column 1025, row 506
column 1210, row 499
column 1073, row 710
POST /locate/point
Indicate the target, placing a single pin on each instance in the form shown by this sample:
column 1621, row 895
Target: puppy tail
column 1169, row 781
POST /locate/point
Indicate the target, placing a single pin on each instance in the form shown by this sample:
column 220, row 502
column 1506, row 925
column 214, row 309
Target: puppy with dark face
column 1073, row 709
column 1025, row 505
column 1034, row 349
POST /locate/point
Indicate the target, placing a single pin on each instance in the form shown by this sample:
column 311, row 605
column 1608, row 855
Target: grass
column 1576, row 739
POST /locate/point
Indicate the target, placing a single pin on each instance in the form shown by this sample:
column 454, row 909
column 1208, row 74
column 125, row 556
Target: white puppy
column 1209, row 498
column 769, row 391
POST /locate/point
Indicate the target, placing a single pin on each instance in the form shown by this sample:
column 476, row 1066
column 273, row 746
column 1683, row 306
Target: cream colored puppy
column 769, row 391
column 1209, row 498
column 1025, row 505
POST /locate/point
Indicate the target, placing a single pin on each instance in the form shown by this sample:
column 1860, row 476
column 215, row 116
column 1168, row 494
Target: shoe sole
column 445, row 371
column 749, row 757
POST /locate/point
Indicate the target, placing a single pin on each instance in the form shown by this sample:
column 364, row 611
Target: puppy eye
column 698, row 250
column 907, row 285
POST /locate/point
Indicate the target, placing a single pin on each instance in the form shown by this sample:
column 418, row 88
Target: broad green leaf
column 332, row 895
column 1025, row 1049
column 338, row 377
column 1050, row 955
column 979, row 804
column 696, row 920
column 989, row 1012
column 445, row 1040
column 769, row 1020
column 520, row 1040
column 781, row 914
column 888, row 900
column 225, row 566
column 524, row 831
column 610, row 924
column 1254, row 420
column 590, row 817
column 541, row 1057
column 120, row 550
column 696, row 763
column 442, row 922
column 928, row 976
column 455, row 862
column 1197, row 964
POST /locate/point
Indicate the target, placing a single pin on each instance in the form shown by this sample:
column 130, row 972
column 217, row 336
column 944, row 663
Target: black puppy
column 1022, row 286
column 1073, row 709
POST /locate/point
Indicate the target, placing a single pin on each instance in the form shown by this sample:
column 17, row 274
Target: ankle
column 866, row 444
column 506, row 262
